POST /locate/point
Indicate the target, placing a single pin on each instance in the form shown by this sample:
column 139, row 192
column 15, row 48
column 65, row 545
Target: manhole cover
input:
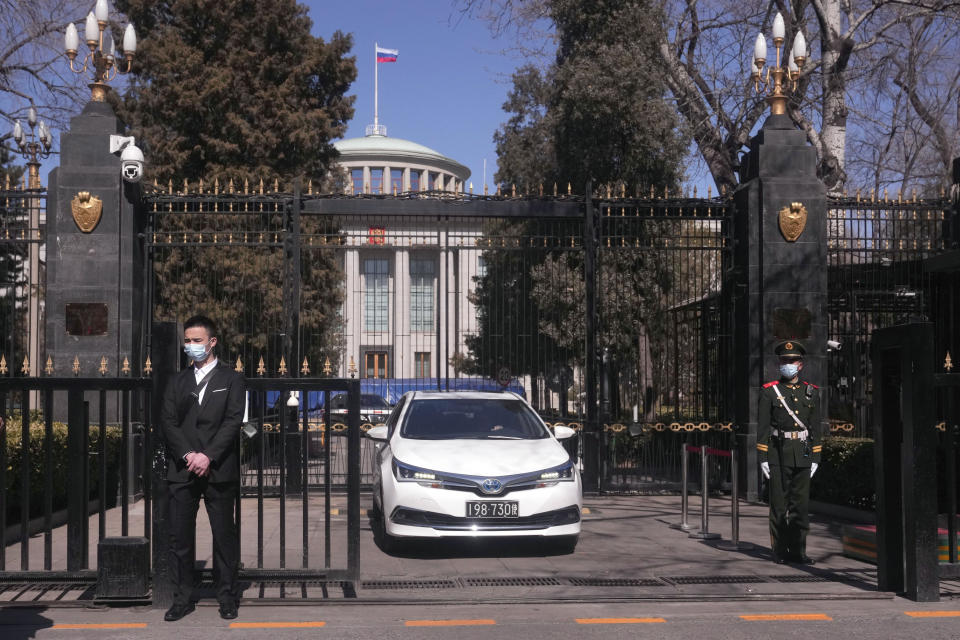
column 408, row 584
column 616, row 582
column 511, row 582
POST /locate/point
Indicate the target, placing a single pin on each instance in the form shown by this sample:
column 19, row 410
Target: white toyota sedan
column 472, row 463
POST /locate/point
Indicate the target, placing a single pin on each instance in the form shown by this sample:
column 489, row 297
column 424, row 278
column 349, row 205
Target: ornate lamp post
column 34, row 146
column 103, row 54
column 777, row 79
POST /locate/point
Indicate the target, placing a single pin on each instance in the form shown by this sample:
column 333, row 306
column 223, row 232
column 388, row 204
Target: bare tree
column 33, row 69
column 705, row 48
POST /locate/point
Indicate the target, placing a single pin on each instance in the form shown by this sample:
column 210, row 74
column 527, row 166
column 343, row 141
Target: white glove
column 765, row 468
column 813, row 468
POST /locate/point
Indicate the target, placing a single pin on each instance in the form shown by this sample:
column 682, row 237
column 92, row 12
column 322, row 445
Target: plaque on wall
column 86, row 319
column 791, row 323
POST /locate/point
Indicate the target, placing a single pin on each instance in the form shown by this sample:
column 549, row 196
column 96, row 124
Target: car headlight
column 557, row 474
column 408, row 473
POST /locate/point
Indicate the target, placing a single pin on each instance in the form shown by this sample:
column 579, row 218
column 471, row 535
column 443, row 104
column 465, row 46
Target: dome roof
column 377, row 147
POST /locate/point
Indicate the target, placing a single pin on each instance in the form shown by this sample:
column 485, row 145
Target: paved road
column 881, row 619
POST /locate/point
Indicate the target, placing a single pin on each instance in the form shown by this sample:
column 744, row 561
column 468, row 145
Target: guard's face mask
column 789, row 370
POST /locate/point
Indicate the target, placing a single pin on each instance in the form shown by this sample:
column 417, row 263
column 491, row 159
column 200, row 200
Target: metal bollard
column 704, row 532
column 734, row 543
column 683, row 525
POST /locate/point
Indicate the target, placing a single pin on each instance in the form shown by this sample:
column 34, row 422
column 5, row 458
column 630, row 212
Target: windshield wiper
column 504, row 438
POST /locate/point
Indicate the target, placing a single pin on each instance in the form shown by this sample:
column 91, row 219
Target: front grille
column 417, row 518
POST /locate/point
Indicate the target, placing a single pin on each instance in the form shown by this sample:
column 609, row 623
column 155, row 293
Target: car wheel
column 564, row 545
column 387, row 543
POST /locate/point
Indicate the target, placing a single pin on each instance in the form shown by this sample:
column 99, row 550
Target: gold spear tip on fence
column 261, row 186
column 238, row 367
column 276, row 185
column 283, row 367
column 103, row 365
column 147, row 367
column 25, row 368
column 201, row 185
column 261, row 368
column 948, row 363
column 186, row 186
column 49, row 368
column 327, row 369
column 3, row 364
column 126, row 366
column 76, row 366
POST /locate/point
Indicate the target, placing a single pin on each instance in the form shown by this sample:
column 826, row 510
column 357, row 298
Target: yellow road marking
column 448, row 623
column 276, row 625
column 586, row 511
column 933, row 614
column 618, row 620
column 116, row 625
column 787, row 616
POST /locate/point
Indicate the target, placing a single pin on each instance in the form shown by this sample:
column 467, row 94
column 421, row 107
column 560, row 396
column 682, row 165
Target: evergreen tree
column 240, row 89
column 235, row 89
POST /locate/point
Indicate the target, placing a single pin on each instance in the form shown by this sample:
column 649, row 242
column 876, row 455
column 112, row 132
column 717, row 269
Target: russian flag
column 387, row 55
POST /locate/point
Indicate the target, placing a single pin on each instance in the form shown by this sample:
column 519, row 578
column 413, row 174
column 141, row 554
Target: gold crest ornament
column 793, row 219
column 86, row 211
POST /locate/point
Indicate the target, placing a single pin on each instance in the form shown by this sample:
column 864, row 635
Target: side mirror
column 561, row 432
column 378, row 433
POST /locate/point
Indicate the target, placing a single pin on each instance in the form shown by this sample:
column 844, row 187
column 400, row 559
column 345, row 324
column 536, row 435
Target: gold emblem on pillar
column 793, row 219
column 86, row 211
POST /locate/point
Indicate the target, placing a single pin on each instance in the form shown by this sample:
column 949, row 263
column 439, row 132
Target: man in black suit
column 201, row 420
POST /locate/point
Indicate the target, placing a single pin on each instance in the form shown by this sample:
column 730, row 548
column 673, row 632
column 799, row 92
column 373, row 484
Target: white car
column 472, row 463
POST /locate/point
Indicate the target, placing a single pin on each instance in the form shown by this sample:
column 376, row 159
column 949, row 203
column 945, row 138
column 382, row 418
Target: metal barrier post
column 683, row 525
column 704, row 532
column 734, row 543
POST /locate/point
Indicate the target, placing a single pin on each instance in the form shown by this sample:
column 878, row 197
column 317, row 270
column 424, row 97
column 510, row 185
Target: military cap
column 790, row 348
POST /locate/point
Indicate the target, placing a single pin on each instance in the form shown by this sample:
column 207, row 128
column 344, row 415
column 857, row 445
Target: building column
column 406, row 178
column 366, row 179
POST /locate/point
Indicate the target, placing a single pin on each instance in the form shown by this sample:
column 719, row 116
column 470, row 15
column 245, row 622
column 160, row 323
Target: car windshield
column 472, row 418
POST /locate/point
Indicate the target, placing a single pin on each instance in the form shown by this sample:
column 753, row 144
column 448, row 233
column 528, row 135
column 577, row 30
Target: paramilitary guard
column 789, row 446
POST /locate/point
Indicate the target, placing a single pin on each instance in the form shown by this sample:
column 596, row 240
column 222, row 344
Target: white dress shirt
column 199, row 372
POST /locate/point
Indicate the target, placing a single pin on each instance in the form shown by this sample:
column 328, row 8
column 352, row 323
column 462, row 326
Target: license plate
column 491, row 509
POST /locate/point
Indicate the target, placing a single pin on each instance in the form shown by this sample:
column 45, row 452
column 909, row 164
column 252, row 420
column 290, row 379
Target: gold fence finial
column 352, row 369
column 310, row 187
column 126, row 366
column 170, row 187
column 305, row 367
column 276, row 185
column 148, row 367
column 49, row 368
column 261, row 186
column 246, row 186
column 76, row 366
column 569, row 189
column 948, row 363
column 513, row 191
column 709, row 191
column 261, row 368
column 186, row 187
column 103, row 366
column 327, row 369
column 216, row 186
column 25, row 368
column 283, row 367
column 3, row 365
column 200, row 188
column 238, row 367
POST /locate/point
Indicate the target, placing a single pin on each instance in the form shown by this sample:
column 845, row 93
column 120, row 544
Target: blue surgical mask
column 788, row 371
column 194, row 351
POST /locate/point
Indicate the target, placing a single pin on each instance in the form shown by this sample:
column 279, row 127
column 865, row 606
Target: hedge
column 845, row 476
column 59, row 457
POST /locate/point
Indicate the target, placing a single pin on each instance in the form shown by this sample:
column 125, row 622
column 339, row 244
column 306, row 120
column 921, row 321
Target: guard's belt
column 790, row 435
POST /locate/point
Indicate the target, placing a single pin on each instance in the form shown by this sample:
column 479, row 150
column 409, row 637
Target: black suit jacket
column 211, row 427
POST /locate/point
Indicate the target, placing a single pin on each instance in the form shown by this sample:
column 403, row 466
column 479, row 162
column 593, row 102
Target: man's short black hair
column 201, row 321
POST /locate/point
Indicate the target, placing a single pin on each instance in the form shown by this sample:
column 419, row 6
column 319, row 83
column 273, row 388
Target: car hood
column 480, row 457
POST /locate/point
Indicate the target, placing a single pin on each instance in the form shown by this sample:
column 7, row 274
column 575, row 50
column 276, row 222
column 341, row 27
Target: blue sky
column 448, row 85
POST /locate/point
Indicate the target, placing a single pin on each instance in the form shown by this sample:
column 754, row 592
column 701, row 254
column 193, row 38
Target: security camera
column 131, row 163
column 833, row 345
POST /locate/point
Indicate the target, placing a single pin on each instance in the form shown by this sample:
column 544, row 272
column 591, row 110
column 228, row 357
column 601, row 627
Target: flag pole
column 376, row 89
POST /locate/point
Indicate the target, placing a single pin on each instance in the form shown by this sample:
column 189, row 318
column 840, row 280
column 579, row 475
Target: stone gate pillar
column 780, row 259
column 94, row 263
